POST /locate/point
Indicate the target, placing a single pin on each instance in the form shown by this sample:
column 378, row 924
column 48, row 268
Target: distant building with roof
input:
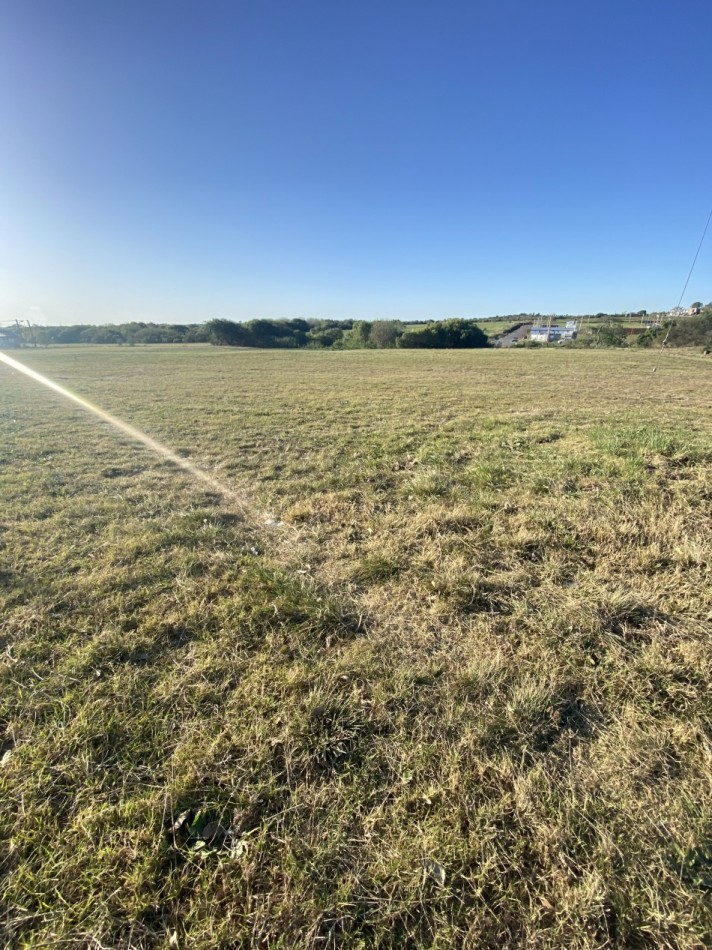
column 682, row 312
column 553, row 334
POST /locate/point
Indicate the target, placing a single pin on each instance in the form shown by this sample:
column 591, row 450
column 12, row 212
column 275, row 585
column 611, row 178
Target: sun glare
column 131, row 431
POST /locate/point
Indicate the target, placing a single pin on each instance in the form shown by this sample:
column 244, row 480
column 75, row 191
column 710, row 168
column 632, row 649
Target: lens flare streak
column 131, row 431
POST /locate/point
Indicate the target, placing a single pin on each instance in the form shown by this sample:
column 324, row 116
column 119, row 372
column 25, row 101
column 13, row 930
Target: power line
column 697, row 254
column 689, row 275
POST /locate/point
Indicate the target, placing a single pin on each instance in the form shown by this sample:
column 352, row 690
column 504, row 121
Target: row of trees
column 348, row 334
column 285, row 334
column 126, row 333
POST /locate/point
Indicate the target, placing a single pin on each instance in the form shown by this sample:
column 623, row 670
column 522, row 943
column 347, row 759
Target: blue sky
column 176, row 161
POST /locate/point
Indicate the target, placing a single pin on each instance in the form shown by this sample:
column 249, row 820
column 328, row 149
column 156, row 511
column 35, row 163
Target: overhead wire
column 697, row 254
column 689, row 275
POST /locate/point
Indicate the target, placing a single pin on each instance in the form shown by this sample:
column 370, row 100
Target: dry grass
column 458, row 699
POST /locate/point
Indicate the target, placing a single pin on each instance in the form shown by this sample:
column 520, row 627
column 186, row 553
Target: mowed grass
column 458, row 697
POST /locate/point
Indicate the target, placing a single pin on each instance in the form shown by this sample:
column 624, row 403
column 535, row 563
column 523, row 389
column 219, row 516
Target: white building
column 553, row 334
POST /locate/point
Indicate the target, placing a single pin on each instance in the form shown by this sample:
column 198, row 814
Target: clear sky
column 176, row 161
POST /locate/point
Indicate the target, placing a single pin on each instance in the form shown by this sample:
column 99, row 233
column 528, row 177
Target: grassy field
column 432, row 672
column 494, row 327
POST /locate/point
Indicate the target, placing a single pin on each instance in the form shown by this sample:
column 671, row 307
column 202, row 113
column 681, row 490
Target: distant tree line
column 352, row 334
column 348, row 334
column 122, row 333
column 281, row 334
